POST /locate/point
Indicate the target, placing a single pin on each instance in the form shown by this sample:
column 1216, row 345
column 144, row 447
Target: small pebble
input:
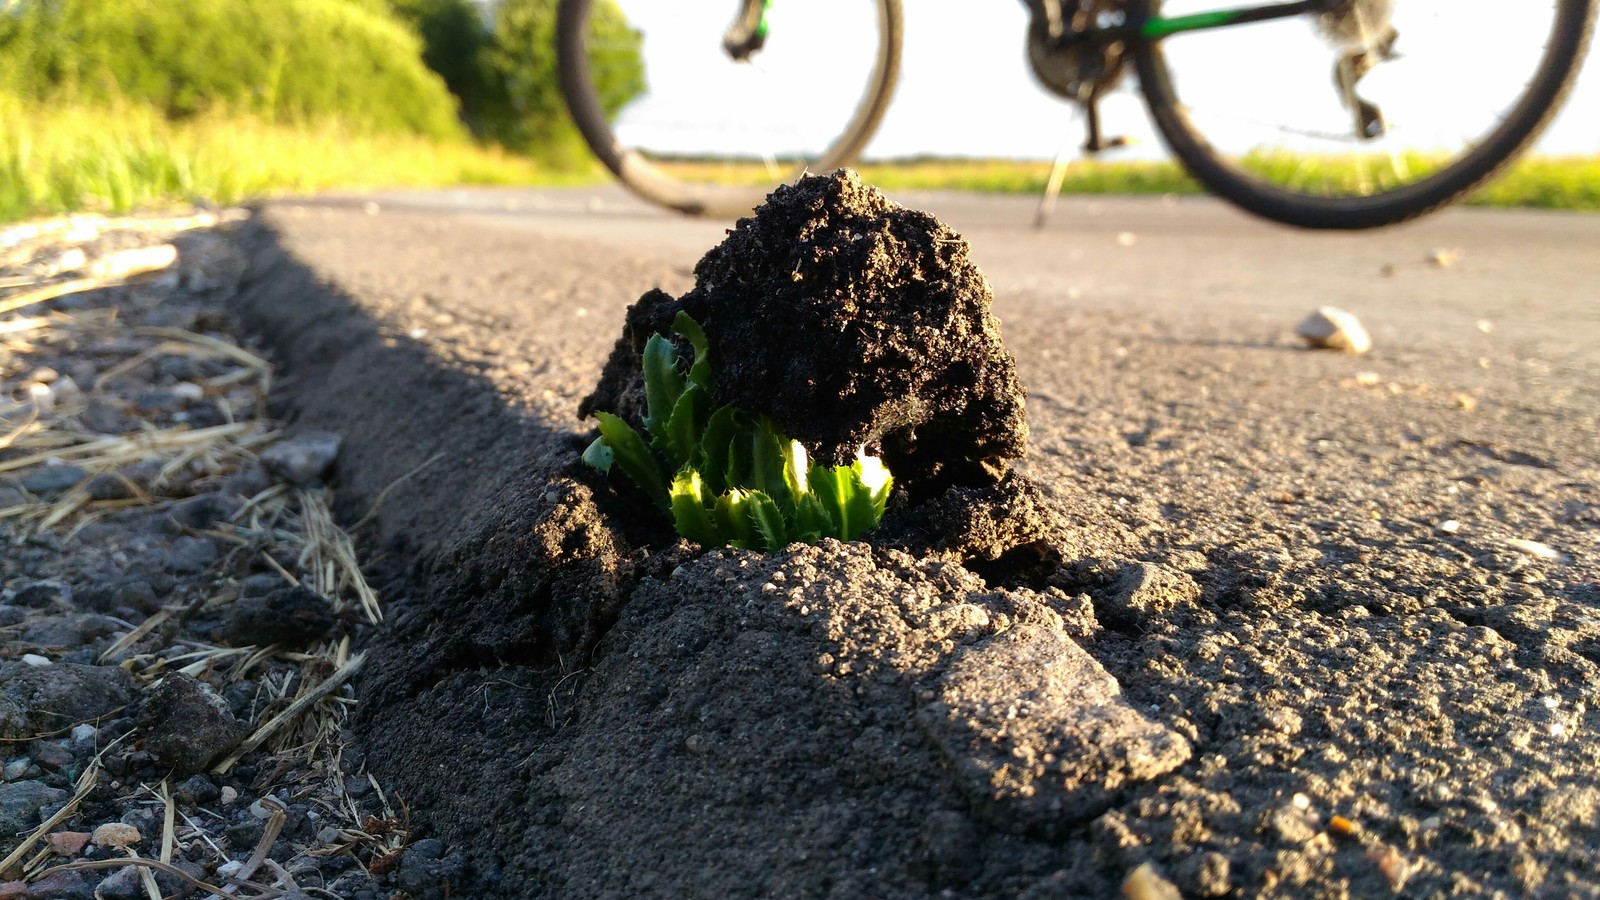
column 1532, row 548
column 1443, row 257
column 1448, row 526
column 227, row 795
column 1330, row 328
column 34, row 659
column 68, row 843
column 116, row 834
column 1145, row 883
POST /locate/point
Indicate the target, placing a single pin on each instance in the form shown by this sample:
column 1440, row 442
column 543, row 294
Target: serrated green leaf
column 795, row 463
column 860, row 514
column 700, row 371
column 767, row 460
column 689, row 513
column 811, row 520
column 714, row 444
column 768, row 519
column 833, row 495
column 634, row 457
column 875, row 478
column 663, row 383
column 732, row 515
column 741, row 467
column 599, row 455
column 679, row 436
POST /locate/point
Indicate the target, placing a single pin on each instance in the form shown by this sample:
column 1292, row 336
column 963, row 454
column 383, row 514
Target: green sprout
column 728, row 477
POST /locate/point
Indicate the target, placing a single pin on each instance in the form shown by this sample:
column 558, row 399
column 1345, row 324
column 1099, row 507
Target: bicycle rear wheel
column 1271, row 115
column 683, row 124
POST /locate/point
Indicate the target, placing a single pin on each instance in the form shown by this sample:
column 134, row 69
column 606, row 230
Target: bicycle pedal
column 1111, row 143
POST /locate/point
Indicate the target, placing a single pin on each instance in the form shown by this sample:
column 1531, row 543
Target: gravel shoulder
column 1359, row 593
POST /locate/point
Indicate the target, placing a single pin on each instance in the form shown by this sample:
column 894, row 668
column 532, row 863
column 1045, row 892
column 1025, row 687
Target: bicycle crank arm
column 748, row 33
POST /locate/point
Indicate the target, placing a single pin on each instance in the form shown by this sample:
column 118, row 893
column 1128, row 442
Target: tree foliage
column 505, row 75
column 284, row 60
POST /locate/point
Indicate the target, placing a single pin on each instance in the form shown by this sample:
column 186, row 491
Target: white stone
column 1330, row 328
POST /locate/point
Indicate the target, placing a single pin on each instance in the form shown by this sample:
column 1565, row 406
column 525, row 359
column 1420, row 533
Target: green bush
column 288, row 61
column 505, row 78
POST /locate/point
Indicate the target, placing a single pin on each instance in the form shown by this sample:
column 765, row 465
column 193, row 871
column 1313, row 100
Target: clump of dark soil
column 851, row 321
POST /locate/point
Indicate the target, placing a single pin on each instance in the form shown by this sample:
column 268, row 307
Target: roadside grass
column 118, row 160
column 126, row 158
column 1568, row 183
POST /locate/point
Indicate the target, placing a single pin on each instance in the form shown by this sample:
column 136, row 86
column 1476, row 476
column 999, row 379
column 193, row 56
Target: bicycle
column 1384, row 83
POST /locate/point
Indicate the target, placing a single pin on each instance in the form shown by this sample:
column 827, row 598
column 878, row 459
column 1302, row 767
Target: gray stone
column 41, row 594
column 159, row 402
column 53, row 479
column 261, row 585
column 10, row 495
column 104, row 416
column 122, row 884
column 70, row 631
column 51, row 754
column 303, row 458
column 198, row 790
column 1037, row 733
column 11, row 615
column 37, row 700
column 247, row 482
column 186, row 724
column 189, row 556
column 62, row 886
column 293, row 616
column 110, row 596
column 205, row 510
column 110, row 486
column 24, row 804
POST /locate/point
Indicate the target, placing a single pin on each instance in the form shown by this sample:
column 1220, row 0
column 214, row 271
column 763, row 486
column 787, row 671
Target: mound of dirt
column 851, row 321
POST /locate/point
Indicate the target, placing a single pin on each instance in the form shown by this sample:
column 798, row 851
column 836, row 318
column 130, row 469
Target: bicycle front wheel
column 685, row 124
column 1370, row 114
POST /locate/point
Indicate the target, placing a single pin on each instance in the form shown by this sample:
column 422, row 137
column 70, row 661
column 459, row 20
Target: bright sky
column 965, row 88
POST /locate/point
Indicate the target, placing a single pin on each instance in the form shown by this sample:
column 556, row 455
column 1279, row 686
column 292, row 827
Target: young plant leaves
column 732, row 515
column 634, row 457
column 700, row 371
column 689, row 513
column 599, row 455
column 662, row 382
column 679, row 436
column 768, row 521
column 715, row 446
column 738, row 480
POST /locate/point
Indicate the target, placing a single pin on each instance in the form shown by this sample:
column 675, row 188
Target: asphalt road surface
column 1387, row 565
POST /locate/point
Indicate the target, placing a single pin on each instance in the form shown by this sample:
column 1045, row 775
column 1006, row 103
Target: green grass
column 66, row 160
column 1570, row 183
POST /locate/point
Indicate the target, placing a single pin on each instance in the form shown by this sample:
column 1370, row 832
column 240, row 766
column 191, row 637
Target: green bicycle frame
column 1151, row 29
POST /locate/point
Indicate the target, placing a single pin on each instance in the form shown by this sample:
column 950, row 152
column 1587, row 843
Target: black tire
column 1573, row 21
column 656, row 183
